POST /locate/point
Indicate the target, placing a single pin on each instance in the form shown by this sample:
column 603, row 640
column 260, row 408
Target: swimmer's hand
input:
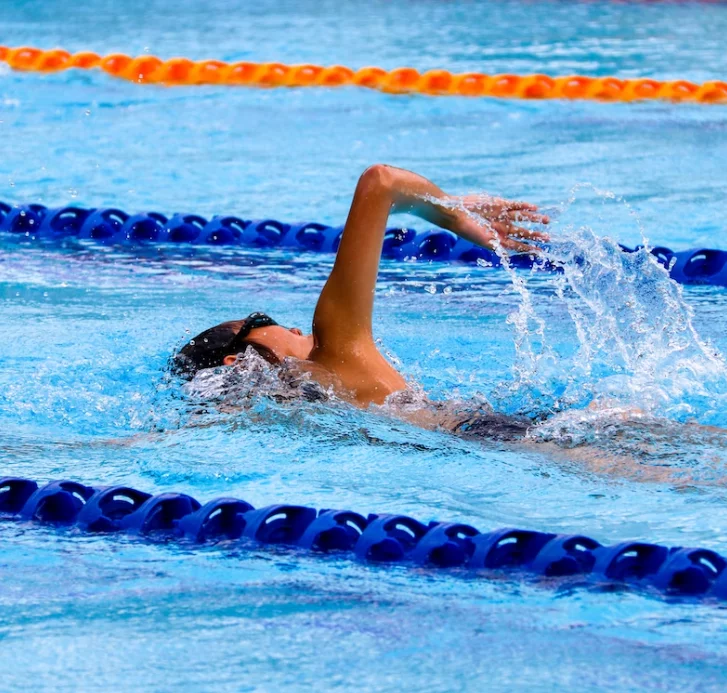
column 492, row 222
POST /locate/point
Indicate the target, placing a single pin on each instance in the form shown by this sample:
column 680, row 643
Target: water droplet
column 73, row 192
column 88, row 111
column 431, row 289
column 447, row 290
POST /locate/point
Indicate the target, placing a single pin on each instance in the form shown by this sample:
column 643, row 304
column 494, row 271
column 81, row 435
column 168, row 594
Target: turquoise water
column 87, row 331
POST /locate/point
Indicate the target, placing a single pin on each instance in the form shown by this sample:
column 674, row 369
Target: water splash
column 631, row 346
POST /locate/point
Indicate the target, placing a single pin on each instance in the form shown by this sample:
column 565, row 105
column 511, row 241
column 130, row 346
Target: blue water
column 87, row 331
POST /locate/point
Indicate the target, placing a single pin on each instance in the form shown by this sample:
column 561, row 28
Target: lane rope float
column 381, row 539
column 114, row 226
column 149, row 69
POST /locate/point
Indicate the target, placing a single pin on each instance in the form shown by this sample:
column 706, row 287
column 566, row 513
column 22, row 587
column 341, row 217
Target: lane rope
column 116, row 227
column 382, row 539
column 148, row 69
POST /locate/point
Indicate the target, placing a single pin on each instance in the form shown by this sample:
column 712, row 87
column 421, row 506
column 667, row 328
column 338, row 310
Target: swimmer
column 340, row 353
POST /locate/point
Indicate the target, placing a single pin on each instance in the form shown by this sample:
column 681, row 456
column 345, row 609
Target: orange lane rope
column 148, row 69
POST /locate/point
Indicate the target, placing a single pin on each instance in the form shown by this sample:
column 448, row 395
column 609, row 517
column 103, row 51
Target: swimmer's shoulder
column 360, row 373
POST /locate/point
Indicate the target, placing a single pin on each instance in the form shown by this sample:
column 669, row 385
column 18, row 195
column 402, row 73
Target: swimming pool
column 88, row 331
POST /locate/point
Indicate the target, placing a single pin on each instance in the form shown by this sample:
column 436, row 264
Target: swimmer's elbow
column 376, row 179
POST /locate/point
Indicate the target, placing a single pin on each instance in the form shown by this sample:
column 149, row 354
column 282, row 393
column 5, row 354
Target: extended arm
column 344, row 310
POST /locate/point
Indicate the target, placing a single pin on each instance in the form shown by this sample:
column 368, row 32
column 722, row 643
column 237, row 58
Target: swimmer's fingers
column 519, row 232
column 527, row 215
column 530, row 235
column 518, row 206
column 508, row 237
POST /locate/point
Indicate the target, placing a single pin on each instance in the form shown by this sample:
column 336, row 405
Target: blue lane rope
column 672, row 571
column 114, row 226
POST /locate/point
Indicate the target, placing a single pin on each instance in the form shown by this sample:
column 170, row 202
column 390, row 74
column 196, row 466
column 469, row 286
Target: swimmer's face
column 276, row 343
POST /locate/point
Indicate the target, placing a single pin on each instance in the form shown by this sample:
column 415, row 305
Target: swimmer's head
column 221, row 344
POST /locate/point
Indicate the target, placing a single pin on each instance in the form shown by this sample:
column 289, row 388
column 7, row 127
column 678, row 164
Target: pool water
column 87, row 331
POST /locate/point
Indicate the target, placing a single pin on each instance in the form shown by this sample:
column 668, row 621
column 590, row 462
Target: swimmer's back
column 475, row 423
column 493, row 426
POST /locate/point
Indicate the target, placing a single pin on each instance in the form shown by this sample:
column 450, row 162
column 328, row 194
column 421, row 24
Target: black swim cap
column 209, row 348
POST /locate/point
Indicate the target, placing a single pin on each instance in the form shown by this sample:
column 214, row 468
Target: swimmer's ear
column 229, row 360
